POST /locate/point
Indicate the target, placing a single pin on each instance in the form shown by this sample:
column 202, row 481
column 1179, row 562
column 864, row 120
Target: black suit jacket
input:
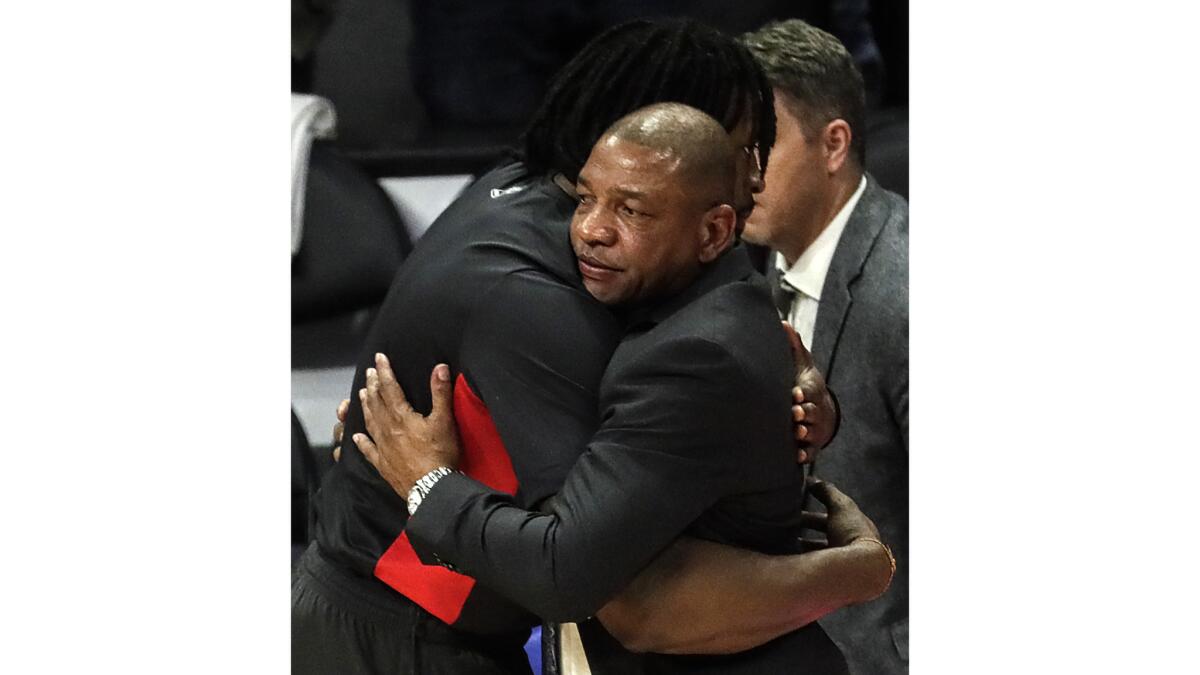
column 695, row 437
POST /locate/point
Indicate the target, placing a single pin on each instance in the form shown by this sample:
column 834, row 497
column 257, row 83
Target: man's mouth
column 594, row 269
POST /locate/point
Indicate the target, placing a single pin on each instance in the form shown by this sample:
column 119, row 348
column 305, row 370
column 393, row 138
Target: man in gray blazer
column 839, row 272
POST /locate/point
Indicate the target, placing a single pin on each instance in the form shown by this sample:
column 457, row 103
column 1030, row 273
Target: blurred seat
column 353, row 243
column 354, row 239
column 312, row 117
column 363, row 64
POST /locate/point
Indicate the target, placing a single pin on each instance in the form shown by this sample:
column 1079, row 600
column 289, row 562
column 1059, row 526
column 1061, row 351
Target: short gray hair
column 815, row 70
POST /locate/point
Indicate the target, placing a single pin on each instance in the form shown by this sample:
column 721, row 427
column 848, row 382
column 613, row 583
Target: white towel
column 312, row 117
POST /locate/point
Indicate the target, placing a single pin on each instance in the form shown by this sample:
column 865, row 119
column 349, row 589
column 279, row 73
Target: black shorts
column 338, row 626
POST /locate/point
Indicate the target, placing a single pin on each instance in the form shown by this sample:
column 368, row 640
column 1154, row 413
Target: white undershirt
column 807, row 275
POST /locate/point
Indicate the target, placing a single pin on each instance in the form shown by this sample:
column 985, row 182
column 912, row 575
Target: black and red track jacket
column 493, row 290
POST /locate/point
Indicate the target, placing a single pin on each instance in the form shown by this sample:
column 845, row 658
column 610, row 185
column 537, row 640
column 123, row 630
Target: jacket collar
column 862, row 230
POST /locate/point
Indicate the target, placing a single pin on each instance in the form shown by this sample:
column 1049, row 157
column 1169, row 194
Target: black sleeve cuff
column 431, row 529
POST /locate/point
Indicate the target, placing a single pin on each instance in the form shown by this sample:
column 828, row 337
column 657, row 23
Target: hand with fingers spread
column 814, row 410
column 404, row 445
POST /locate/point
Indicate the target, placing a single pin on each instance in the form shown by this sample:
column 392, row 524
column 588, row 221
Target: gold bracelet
column 891, row 560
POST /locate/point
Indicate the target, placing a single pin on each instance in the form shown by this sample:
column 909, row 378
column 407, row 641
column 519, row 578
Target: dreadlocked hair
column 638, row 63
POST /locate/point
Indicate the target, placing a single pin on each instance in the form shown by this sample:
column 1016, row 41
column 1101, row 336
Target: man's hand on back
column 404, row 444
column 846, row 525
column 814, row 412
column 844, row 522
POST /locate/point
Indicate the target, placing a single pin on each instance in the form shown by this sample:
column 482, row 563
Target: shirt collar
column 807, row 274
column 733, row 265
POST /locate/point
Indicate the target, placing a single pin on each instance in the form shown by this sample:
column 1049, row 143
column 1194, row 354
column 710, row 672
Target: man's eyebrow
column 629, row 192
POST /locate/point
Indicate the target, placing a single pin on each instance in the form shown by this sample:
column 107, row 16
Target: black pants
column 340, row 626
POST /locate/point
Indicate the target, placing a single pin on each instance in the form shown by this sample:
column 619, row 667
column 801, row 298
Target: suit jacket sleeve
column 673, row 421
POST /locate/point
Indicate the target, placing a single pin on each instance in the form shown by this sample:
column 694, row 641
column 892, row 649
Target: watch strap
column 423, row 485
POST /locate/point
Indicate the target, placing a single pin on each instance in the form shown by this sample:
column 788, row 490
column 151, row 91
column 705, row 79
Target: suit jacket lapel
column 863, row 228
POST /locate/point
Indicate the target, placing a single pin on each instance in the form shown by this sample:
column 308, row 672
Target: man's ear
column 835, row 144
column 716, row 235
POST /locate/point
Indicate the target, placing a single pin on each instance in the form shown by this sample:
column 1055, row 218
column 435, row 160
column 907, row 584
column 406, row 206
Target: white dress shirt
column 807, row 275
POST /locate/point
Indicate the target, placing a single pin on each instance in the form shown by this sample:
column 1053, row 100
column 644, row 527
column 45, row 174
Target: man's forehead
column 618, row 160
column 633, row 155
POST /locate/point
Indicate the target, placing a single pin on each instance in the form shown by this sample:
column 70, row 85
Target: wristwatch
column 423, row 485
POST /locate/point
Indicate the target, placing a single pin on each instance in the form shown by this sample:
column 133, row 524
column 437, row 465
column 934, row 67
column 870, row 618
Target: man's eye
column 586, row 200
column 629, row 211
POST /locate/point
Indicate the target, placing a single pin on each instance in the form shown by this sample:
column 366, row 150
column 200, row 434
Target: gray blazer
column 860, row 343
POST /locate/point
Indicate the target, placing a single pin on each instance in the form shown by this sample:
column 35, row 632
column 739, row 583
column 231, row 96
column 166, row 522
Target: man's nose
column 596, row 229
column 756, row 180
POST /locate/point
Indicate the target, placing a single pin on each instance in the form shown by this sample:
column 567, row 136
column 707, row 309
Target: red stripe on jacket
column 439, row 591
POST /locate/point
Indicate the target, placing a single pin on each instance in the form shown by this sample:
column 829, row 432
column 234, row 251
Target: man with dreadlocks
column 493, row 289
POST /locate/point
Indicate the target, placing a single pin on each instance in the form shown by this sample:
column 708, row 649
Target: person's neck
column 841, row 187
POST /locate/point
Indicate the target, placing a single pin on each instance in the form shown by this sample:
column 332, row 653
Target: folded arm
column 736, row 599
